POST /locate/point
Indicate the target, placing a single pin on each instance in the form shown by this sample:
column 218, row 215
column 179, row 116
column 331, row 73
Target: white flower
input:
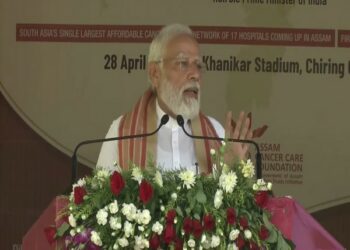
column 136, row 174
column 95, row 238
column 218, row 198
column 113, row 207
column 114, row 222
column 212, row 151
column 261, row 185
column 228, row 181
column 123, row 242
column 260, row 182
column 72, row 232
column 102, row 174
column 174, row 196
column 215, row 241
column 205, row 242
column 247, row 234
column 141, row 243
column 234, row 234
column 128, row 229
column 232, row 246
column 248, row 169
column 72, row 221
column 158, row 179
column 101, row 217
column 83, row 216
column 137, row 217
column 129, row 210
column 188, row 178
column 191, row 243
column 81, row 182
column 143, row 217
column 157, row 228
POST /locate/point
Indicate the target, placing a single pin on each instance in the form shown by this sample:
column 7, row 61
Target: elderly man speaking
column 175, row 70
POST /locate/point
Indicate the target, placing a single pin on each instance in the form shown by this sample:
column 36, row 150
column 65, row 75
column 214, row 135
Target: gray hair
column 157, row 47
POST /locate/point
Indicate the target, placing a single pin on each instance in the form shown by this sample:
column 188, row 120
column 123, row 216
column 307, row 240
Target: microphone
column 181, row 123
column 163, row 121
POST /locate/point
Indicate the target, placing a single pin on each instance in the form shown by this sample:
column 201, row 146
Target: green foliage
column 62, row 229
column 191, row 196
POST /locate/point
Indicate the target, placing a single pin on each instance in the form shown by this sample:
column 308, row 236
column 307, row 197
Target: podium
column 287, row 215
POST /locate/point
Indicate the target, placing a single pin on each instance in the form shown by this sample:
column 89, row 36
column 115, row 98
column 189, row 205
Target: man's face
column 180, row 77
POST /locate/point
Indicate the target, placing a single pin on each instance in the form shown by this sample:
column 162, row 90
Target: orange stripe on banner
column 204, row 34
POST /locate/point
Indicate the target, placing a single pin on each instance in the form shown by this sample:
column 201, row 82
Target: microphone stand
column 181, row 122
column 163, row 121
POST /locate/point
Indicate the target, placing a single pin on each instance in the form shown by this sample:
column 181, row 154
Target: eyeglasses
column 184, row 64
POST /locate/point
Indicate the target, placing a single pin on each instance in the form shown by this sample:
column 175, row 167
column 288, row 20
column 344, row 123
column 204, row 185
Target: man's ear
column 154, row 74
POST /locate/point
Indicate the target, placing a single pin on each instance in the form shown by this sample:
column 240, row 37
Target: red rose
column 169, row 233
column 197, row 228
column 187, row 225
column 170, row 216
column 240, row 242
column 154, row 241
column 178, row 244
column 50, row 233
column 261, row 198
column 117, row 183
column 145, row 192
column 263, row 233
column 231, row 215
column 243, row 222
column 79, row 193
column 209, row 222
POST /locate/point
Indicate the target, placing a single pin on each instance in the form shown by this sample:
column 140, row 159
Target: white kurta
column 175, row 149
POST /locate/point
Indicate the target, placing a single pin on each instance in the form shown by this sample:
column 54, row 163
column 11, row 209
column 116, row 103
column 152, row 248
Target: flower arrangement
column 145, row 208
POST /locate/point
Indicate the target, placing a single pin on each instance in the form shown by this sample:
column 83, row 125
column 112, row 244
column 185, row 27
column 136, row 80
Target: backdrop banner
column 70, row 68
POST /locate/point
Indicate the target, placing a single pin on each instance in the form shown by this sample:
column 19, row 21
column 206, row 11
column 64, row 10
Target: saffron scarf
column 143, row 119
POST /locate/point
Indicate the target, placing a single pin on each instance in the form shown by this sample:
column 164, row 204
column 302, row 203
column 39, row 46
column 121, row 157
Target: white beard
column 176, row 102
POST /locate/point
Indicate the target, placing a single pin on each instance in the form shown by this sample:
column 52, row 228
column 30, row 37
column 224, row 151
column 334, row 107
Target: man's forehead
column 184, row 55
column 182, row 45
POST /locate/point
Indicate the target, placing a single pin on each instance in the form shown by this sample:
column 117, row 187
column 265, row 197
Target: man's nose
column 194, row 73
